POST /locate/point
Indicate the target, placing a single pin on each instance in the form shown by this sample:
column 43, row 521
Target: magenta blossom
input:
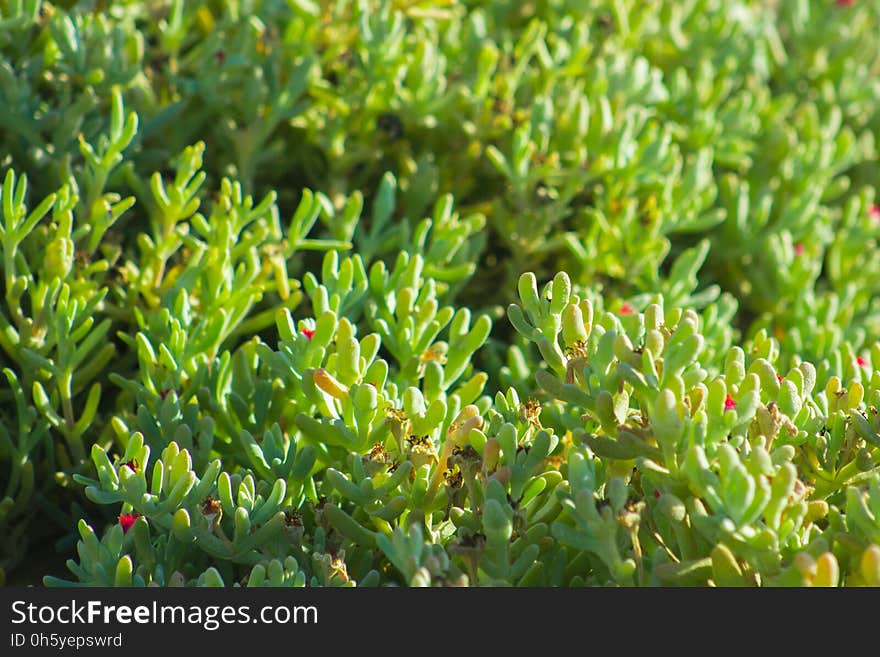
column 127, row 520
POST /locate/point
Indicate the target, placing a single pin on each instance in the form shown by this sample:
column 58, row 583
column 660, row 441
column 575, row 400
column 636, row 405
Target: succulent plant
column 367, row 293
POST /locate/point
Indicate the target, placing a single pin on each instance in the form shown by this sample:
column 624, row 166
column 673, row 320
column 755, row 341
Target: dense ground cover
column 370, row 292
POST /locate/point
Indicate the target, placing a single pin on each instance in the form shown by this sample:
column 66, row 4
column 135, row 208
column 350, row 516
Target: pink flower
column 626, row 309
column 309, row 333
column 861, row 361
column 798, row 249
column 875, row 212
column 779, row 378
column 127, row 520
column 729, row 403
column 656, row 494
column 844, row 3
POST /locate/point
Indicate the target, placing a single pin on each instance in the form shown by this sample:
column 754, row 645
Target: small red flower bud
column 130, row 464
column 861, row 361
column 309, row 333
column 798, row 249
column 844, row 3
column 127, row 520
column 779, row 378
column 729, row 403
column 875, row 212
column 656, row 494
column 626, row 309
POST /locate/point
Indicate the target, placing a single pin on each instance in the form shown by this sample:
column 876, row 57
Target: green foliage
column 257, row 257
